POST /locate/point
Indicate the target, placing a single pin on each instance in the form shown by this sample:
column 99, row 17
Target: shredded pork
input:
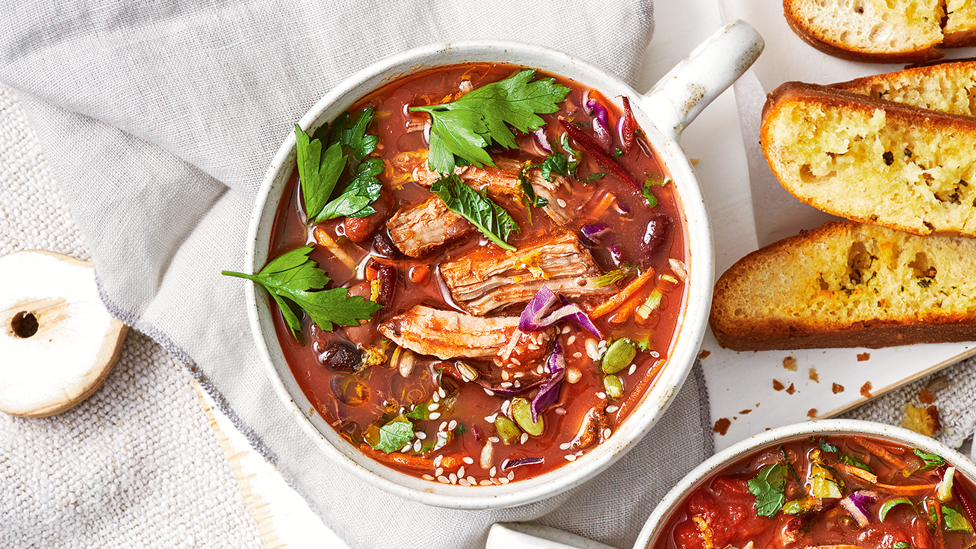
column 418, row 230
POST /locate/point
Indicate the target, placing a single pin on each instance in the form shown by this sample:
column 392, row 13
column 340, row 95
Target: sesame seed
column 565, row 330
column 453, row 478
column 452, row 425
column 599, row 394
column 577, row 354
column 439, row 471
column 655, row 354
column 560, row 411
column 460, row 472
column 533, row 347
column 633, row 368
column 516, row 362
column 518, row 375
column 471, row 480
column 524, row 438
column 564, row 446
column 511, row 475
column 406, row 448
column 505, row 406
column 421, row 435
column 517, row 383
column 489, row 392
column 505, row 384
column 570, row 457
column 442, row 426
column 496, row 440
column 464, row 482
column 503, row 480
column 491, row 418
column 437, row 461
column 495, row 481
column 561, row 202
column 571, row 340
column 492, row 472
column 606, row 433
column 436, row 415
column 443, row 480
column 428, row 477
column 435, row 397
column 434, row 406
column 441, row 392
column 612, row 408
column 467, row 460
column 485, row 482
column 416, row 445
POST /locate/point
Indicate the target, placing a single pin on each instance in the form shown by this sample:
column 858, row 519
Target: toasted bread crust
column 803, row 128
column 942, row 86
column 829, row 41
column 807, row 292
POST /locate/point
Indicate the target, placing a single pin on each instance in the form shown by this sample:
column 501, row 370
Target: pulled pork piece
column 450, row 334
column 417, row 230
column 502, row 182
column 489, row 278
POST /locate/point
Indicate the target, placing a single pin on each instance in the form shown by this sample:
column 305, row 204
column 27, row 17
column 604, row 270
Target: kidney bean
column 655, row 235
column 358, row 229
column 341, row 355
column 387, row 275
column 384, row 246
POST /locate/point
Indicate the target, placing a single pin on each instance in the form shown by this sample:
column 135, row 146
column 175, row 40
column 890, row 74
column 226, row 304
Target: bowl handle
column 677, row 98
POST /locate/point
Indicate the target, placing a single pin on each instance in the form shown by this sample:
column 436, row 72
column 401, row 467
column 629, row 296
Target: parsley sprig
column 769, row 487
column 321, row 164
column 292, row 280
column 489, row 218
column 465, row 127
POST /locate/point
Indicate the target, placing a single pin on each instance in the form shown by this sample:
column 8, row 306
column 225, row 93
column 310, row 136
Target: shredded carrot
column 905, row 489
column 419, row 273
column 603, row 205
column 881, row 452
column 411, row 461
column 625, row 310
column 642, row 388
column 857, row 472
column 625, row 294
column 939, row 536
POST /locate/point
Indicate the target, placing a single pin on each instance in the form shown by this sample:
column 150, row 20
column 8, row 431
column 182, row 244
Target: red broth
column 880, row 478
column 456, row 437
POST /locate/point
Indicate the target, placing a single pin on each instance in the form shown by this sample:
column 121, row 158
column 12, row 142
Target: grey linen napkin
column 159, row 120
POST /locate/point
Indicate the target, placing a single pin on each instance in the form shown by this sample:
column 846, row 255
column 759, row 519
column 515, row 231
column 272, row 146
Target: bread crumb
column 744, row 412
column 791, row 389
column 863, row 357
column 704, row 354
column 722, row 426
column 789, row 363
column 813, row 375
column 926, row 397
column 837, row 388
column 812, row 413
column 924, row 421
column 777, row 385
column 694, row 161
column 866, row 389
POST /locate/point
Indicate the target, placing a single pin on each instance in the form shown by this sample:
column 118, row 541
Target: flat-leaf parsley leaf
column 464, row 127
column 769, row 487
column 489, row 218
column 292, row 280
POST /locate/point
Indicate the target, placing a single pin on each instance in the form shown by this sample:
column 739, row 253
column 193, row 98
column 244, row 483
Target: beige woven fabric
column 136, row 464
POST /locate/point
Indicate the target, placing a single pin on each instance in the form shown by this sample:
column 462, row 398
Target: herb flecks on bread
column 870, row 30
column 847, row 284
column 873, row 161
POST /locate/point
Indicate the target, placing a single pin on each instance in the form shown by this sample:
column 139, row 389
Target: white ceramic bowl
column 662, row 114
column 773, row 438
